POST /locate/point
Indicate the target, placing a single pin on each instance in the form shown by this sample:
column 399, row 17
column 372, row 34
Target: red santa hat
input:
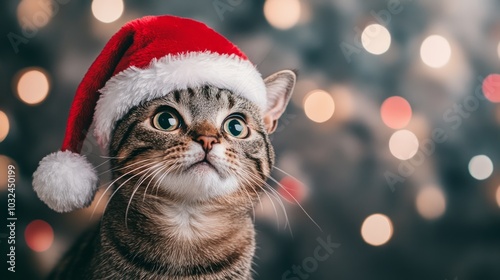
column 146, row 59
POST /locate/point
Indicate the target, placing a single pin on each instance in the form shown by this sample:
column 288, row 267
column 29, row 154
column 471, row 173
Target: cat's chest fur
column 187, row 222
column 175, row 241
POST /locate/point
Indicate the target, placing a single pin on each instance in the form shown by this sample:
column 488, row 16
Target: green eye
column 166, row 121
column 236, row 127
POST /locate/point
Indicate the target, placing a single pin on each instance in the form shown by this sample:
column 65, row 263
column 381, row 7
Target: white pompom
column 65, row 181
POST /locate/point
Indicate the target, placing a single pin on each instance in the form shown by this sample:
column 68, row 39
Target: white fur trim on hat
column 134, row 86
column 65, row 181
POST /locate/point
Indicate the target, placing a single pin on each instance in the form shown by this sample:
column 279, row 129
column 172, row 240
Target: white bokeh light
column 403, row 144
column 376, row 39
column 282, row 14
column 319, row 106
column 435, row 51
column 377, row 229
column 107, row 11
column 480, row 167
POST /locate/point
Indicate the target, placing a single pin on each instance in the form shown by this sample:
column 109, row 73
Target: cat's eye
column 166, row 121
column 236, row 127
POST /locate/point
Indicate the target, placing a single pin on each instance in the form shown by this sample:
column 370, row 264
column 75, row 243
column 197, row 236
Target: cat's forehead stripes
column 206, row 104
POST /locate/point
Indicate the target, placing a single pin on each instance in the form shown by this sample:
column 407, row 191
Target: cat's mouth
column 202, row 165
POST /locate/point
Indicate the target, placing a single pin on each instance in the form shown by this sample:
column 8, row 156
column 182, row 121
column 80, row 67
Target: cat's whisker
column 250, row 183
column 138, row 184
column 274, row 207
column 110, row 157
column 267, row 194
column 296, row 201
column 162, row 177
column 155, row 171
column 165, row 171
column 289, row 175
column 159, row 170
column 123, row 157
column 124, row 167
column 126, row 181
column 102, row 163
column 131, row 165
column 113, row 182
column 116, row 190
column 278, row 198
column 251, row 201
column 273, row 194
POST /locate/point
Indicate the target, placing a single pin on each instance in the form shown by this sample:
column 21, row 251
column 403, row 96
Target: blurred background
column 390, row 144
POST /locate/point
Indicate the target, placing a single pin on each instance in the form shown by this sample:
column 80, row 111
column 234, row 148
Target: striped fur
column 167, row 220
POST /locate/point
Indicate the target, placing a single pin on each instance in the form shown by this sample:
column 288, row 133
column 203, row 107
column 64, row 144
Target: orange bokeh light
column 498, row 196
column 39, row 235
column 319, row 106
column 396, row 112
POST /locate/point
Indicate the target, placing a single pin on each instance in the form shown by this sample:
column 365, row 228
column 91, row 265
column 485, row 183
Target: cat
column 187, row 169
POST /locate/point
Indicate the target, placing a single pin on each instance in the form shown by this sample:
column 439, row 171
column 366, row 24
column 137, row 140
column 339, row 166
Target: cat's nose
column 207, row 141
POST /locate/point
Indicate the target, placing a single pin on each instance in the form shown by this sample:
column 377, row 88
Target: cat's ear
column 279, row 88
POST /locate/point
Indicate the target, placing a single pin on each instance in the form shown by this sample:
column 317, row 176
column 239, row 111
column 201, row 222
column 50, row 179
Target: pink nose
column 207, row 141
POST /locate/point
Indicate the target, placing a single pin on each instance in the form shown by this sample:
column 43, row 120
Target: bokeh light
column 33, row 86
column 376, row 39
column 480, row 167
column 491, row 87
column 403, row 144
column 107, row 11
column 292, row 190
column 282, row 14
column 377, row 229
column 39, row 235
column 498, row 196
column 4, row 126
column 435, row 51
column 319, row 106
column 431, row 203
column 396, row 112
column 33, row 14
column 5, row 161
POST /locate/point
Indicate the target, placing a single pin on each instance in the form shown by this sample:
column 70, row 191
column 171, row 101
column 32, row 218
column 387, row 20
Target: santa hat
column 147, row 58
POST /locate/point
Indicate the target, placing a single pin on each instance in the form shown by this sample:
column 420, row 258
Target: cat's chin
column 203, row 168
column 200, row 181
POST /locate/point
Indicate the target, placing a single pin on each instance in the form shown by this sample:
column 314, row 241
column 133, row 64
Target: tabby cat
column 187, row 169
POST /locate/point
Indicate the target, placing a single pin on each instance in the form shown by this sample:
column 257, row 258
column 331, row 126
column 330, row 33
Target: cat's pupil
column 166, row 120
column 235, row 127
